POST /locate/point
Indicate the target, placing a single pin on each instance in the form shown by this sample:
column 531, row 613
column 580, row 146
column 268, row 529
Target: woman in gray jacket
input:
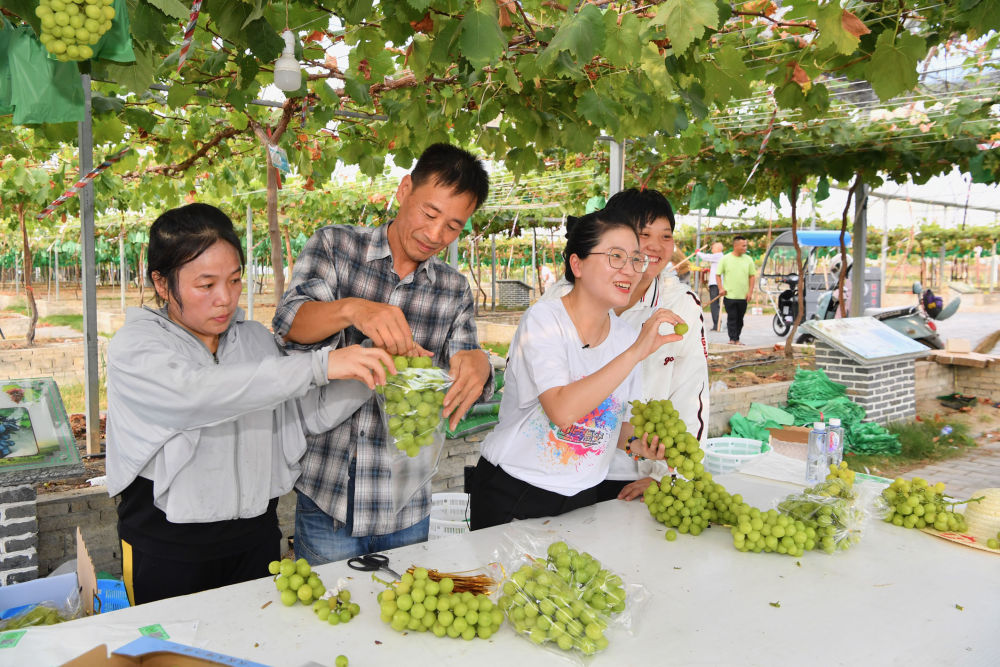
column 206, row 416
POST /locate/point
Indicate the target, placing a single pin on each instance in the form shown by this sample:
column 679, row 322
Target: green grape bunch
column 71, row 28
column 417, row 603
column 412, row 401
column 337, row 608
column 540, row 604
column 295, row 581
column 682, row 450
column 598, row 587
column 917, row 504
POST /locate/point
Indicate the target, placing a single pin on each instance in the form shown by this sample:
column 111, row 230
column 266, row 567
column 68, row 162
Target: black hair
column 643, row 206
column 451, row 166
column 182, row 234
column 584, row 233
column 739, row 237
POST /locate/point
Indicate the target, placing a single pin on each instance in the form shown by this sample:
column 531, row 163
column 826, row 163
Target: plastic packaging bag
column 561, row 598
column 410, row 404
column 48, row 612
column 836, row 510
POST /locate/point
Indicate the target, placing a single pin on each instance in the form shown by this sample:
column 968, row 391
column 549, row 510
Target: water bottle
column 816, row 454
column 835, row 452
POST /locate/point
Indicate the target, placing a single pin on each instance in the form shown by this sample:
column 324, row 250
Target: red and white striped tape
column 189, row 33
column 82, row 183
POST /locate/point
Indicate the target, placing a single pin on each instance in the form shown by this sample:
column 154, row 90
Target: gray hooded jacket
column 218, row 435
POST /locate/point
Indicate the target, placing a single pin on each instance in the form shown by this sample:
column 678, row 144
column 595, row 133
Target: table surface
column 899, row 597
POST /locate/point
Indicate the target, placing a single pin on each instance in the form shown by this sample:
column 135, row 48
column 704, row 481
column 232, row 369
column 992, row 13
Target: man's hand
column 385, row 325
column 635, row 489
column 469, row 372
column 722, row 291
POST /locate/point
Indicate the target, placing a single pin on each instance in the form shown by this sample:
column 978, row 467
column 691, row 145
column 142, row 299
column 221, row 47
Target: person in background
column 713, row 258
column 678, row 371
column 572, row 368
column 206, row 416
column 548, row 278
column 387, row 285
column 736, row 277
column 679, row 265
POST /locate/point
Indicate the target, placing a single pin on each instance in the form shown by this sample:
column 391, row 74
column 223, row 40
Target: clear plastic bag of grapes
column 410, row 404
column 833, row 512
column 561, row 598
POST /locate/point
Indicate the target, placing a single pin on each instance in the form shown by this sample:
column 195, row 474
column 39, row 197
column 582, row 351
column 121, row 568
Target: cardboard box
column 58, row 589
column 790, row 441
column 958, row 345
column 153, row 652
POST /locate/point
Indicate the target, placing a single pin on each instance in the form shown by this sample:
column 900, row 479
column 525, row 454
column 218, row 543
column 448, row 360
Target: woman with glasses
column 572, row 368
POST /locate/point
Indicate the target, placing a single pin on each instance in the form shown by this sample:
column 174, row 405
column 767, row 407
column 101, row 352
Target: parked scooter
column 916, row 322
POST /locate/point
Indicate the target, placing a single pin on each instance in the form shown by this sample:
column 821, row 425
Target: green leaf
column 179, row 95
column 420, row 56
column 215, row 62
column 419, row 5
column 356, row 11
column 137, row 77
column 264, row 41
column 831, row 29
column 102, row 104
column 622, row 46
column 686, row 21
column 228, row 16
column 602, row 112
column 893, row 66
column 358, row 89
column 581, row 35
column 172, row 8
column 726, row 76
column 139, row 118
column 654, row 66
column 147, row 24
column 443, row 41
column 823, row 188
column 108, row 129
column 480, row 37
column 983, row 17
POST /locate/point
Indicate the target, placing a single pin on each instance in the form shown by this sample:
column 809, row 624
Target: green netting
column 759, row 412
column 813, row 388
column 741, row 427
column 871, row 438
column 843, row 408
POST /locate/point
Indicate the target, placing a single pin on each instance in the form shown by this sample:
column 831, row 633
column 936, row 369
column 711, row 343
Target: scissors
column 371, row 563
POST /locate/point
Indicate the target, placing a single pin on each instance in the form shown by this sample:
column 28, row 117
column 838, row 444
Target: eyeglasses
column 617, row 258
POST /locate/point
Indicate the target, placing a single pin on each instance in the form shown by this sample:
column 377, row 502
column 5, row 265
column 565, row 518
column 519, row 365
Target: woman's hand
column 366, row 364
column 650, row 340
column 635, row 489
column 647, row 447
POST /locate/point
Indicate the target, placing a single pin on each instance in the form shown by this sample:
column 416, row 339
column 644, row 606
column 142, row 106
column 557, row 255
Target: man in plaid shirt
column 385, row 284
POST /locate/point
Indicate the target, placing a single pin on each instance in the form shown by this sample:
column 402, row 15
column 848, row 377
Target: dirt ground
column 743, row 368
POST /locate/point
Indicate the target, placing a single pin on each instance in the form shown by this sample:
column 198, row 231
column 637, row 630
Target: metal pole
column 57, row 269
column 534, row 259
column 859, row 242
column 941, row 269
column 453, row 254
column 993, row 268
column 493, row 270
column 250, row 275
column 884, row 258
column 616, row 170
column 697, row 244
column 88, row 276
column 121, row 266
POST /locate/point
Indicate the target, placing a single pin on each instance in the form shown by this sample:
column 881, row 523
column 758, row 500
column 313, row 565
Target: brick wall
column 981, row 382
column 61, row 361
column 18, row 534
column 513, row 294
column 886, row 391
column 933, row 379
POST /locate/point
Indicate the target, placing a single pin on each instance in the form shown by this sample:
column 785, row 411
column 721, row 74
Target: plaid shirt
column 342, row 261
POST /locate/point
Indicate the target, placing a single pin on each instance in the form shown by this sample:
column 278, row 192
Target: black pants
column 713, row 292
column 735, row 310
column 610, row 488
column 149, row 577
column 497, row 498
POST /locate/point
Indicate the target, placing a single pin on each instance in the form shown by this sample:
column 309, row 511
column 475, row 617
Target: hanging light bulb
column 287, row 74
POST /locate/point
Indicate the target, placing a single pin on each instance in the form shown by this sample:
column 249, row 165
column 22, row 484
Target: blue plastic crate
column 112, row 595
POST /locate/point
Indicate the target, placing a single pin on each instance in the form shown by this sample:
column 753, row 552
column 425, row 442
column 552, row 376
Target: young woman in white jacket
column 206, row 417
column 678, row 371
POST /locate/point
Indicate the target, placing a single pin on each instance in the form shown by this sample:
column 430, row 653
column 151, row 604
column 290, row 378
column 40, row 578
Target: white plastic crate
column 449, row 514
column 726, row 454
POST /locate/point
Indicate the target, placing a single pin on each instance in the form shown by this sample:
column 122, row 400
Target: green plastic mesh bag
column 741, row 427
column 871, row 438
column 813, row 388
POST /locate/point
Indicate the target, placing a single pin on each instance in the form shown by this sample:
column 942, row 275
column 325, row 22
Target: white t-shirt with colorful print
column 546, row 352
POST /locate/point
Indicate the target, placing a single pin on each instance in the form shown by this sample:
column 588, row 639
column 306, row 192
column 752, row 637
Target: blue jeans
column 319, row 540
